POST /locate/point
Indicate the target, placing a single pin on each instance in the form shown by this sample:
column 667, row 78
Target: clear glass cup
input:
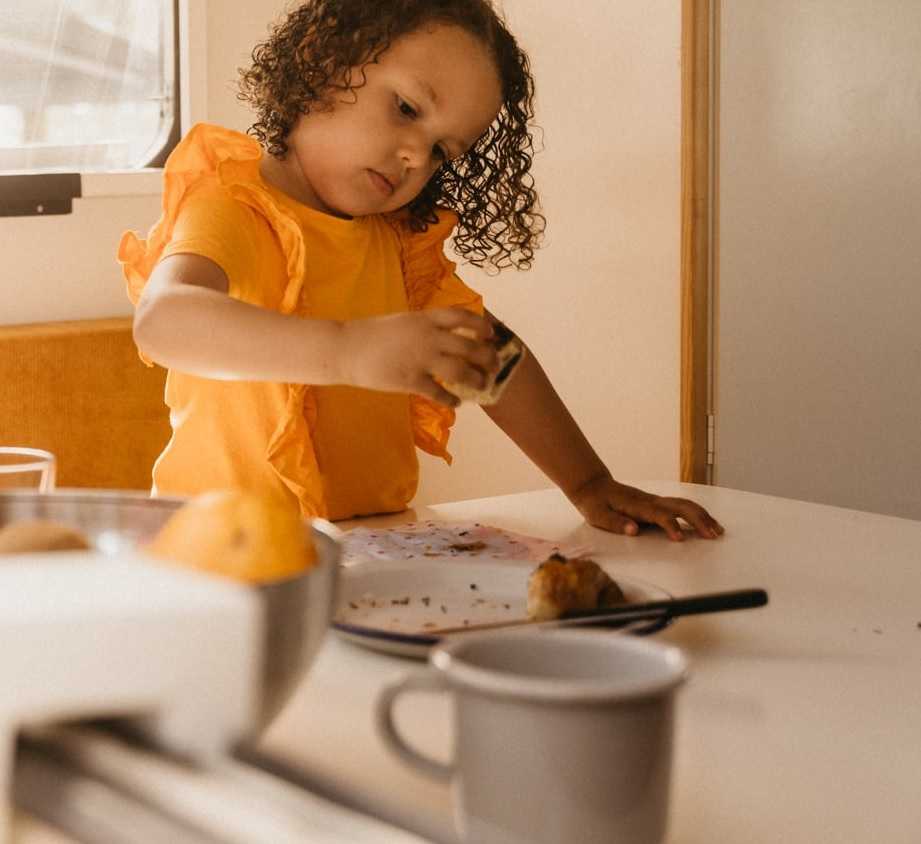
column 27, row 468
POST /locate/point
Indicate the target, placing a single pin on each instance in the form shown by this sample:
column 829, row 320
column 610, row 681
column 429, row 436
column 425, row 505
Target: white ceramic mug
column 561, row 736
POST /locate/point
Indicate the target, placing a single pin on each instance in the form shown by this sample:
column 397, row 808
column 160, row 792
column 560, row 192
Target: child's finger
column 460, row 318
column 698, row 518
column 671, row 527
column 481, row 355
column 611, row 520
column 454, row 370
column 431, row 389
column 708, row 527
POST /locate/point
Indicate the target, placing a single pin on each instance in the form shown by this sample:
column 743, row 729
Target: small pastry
column 511, row 352
column 559, row 585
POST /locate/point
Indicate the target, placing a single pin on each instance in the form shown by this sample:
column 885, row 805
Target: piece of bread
column 559, row 584
column 511, row 352
column 40, row 535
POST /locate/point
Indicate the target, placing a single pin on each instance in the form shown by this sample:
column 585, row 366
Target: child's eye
column 440, row 152
column 405, row 108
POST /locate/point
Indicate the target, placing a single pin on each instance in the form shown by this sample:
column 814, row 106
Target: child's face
column 430, row 96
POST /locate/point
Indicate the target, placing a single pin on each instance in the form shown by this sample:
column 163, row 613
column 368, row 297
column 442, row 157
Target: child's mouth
column 381, row 183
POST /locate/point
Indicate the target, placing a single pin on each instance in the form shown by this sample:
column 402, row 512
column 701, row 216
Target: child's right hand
column 406, row 353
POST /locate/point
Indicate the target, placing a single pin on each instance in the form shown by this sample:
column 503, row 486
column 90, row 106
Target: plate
column 386, row 606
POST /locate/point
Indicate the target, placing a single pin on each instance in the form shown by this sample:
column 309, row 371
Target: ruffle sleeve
column 431, row 282
column 216, row 156
column 212, row 155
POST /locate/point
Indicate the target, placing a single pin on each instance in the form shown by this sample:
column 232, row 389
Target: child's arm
column 534, row 416
column 186, row 321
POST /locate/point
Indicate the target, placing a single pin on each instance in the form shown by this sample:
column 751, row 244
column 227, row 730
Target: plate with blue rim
column 391, row 606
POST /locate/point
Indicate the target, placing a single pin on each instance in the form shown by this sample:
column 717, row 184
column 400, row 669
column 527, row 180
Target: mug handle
column 423, row 681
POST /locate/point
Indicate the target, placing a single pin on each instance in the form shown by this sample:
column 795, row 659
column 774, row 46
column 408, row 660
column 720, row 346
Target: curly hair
column 312, row 53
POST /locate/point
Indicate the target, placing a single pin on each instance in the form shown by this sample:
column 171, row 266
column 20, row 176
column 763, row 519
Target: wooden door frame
column 699, row 48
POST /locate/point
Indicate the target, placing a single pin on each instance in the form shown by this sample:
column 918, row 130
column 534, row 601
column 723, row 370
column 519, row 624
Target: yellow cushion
column 79, row 390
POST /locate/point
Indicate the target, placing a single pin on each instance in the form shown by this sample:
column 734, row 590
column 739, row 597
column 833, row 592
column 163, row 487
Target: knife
column 616, row 616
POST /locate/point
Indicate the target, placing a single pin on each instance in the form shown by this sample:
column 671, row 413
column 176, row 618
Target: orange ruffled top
column 339, row 451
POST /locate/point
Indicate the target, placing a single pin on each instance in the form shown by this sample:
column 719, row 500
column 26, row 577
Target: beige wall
column 819, row 394
column 600, row 307
column 63, row 267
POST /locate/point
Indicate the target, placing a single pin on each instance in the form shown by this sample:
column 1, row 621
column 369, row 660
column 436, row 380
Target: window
column 86, row 85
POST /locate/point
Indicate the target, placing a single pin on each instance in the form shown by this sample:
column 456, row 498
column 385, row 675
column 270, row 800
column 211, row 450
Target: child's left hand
column 619, row 508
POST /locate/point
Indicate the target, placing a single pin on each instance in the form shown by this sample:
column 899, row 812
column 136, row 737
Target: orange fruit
column 237, row 534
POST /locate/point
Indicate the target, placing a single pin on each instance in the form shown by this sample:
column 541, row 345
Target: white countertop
column 801, row 722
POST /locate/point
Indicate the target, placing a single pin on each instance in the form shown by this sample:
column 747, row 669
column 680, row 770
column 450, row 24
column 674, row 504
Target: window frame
column 45, row 194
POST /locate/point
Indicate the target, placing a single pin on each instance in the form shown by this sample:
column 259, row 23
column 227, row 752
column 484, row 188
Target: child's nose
column 414, row 149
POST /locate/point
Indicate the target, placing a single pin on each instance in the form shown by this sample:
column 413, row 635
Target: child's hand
column 405, row 353
column 612, row 506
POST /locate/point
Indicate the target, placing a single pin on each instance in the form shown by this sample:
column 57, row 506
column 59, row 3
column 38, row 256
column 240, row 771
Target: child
column 300, row 296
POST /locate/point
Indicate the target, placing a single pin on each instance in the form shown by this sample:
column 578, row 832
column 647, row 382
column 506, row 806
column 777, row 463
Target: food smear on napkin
column 421, row 540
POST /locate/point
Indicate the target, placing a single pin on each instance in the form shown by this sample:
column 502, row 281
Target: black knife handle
column 739, row 599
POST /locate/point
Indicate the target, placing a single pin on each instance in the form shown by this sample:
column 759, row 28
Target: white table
column 801, row 722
